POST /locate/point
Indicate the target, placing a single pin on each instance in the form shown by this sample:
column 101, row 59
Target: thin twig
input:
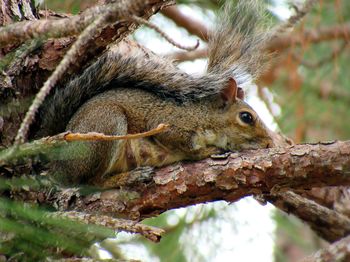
column 47, row 143
column 140, row 20
column 300, row 12
column 182, row 56
column 193, row 26
column 93, row 136
column 152, row 233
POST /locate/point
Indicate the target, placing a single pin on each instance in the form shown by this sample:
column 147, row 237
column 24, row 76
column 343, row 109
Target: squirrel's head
column 242, row 128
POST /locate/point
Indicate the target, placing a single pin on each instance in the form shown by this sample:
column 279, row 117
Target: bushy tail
column 237, row 44
column 236, row 49
column 115, row 69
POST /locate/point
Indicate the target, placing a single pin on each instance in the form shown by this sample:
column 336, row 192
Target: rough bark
column 232, row 178
column 327, row 223
column 17, row 10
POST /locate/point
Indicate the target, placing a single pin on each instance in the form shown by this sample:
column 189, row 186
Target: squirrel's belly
column 144, row 152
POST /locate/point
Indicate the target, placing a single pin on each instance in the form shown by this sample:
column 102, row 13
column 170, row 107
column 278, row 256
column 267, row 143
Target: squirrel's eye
column 246, row 117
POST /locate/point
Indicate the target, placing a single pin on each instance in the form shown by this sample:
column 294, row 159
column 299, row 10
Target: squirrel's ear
column 229, row 93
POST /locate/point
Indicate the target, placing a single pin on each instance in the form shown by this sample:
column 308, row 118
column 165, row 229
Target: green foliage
column 324, row 93
column 34, row 234
column 30, row 233
column 169, row 247
column 178, row 244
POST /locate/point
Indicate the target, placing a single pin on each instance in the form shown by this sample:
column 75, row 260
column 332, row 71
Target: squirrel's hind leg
column 85, row 162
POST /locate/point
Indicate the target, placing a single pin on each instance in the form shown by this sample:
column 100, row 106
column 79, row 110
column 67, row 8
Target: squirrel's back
column 196, row 130
column 235, row 51
column 133, row 92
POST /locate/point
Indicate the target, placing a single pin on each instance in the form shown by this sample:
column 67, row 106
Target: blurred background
column 305, row 94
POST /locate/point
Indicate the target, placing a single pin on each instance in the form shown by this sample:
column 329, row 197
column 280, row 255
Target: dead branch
column 22, row 31
column 329, row 224
column 142, row 21
column 151, row 233
column 182, row 56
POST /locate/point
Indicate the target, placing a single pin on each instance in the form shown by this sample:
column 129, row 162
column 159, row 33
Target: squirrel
column 130, row 93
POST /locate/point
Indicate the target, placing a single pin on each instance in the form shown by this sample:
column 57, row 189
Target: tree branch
column 329, row 224
column 232, row 178
column 22, row 31
column 151, row 233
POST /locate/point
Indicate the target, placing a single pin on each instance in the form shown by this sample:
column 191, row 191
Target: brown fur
column 237, row 45
column 197, row 130
column 203, row 111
